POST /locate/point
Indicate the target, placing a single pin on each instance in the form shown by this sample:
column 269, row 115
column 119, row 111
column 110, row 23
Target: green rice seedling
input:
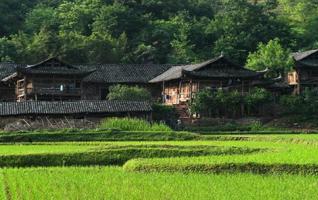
column 114, row 183
column 2, row 187
column 282, row 157
column 103, row 153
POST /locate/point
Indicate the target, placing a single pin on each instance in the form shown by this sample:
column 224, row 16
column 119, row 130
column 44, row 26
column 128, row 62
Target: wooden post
column 163, row 93
column 191, row 90
column 298, row 83
column 242, row 105
column 25, row 88
column 179, row 91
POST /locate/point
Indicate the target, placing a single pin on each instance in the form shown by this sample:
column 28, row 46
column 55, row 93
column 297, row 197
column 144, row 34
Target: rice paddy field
column 282, row 166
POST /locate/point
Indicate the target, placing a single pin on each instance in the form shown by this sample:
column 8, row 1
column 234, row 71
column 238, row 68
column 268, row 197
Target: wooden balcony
column 54, row 91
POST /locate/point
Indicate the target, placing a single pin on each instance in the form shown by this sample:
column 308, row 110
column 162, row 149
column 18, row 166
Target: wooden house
column 55, row 80
column 305, row 73
column 180, row 83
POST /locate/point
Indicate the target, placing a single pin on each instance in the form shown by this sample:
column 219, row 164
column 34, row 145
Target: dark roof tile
column 7, row 69
column 125, row 73
column 207, row 69
column 66, row 108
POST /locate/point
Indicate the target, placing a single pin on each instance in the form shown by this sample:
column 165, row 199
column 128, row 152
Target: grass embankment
column 228, row 153
column 114, row 183
column 95, row 135
column 83, row 154
column 281, row 157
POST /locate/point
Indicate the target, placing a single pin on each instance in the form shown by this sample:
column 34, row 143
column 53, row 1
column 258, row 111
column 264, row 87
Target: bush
column 165, row 113
column 304, row 104
column 133, row 124
column 128, row 93
column 218, row 103
column 256, row 98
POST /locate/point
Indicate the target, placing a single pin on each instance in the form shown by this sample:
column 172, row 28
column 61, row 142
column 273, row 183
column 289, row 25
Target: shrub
column 131, row 93
column 204, row 103
column 256, row 98
column 133, row 124
column 304, row 104
column 211, row 103
column 165, row 113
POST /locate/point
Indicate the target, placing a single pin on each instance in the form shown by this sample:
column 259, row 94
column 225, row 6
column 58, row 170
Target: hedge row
column 116, row 155
column 257, row 168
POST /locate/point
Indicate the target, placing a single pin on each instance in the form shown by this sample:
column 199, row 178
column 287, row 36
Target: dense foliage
column 305, row 104
column 272, row 57
column 210, row 103
column 175, row 31
column 128, row 93
column 164, row 113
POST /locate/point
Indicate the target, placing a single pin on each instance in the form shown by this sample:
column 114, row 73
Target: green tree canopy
column 151, row 31
column 129, row 93
column 271, row 56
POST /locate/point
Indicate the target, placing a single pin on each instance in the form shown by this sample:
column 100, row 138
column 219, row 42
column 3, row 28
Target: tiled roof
column 206, row 69
column 53, row 66
column 103, row 73
column 7, row 69
column 135, row 73
column 302, row 55
column 226, row 73
column 125, row 73
column 65, row 108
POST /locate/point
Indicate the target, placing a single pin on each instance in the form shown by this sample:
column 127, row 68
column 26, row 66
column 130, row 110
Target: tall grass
column 133, row 124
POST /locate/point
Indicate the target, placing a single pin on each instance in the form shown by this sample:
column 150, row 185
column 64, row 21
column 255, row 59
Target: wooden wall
column 177, row 92
column 7, row 92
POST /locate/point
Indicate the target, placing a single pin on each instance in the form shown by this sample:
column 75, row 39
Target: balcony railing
column 54, row 91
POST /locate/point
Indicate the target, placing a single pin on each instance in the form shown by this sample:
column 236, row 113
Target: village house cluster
column 53, row 80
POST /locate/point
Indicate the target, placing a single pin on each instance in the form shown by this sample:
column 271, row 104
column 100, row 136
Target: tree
column 256, row 98
column 241, row 25
column 271, row 56
column 7, row 50
column 302, row 16
column 78, row 16
column 117, row 19
column 41, row 17
column 182, row 49
column 175, row 31
column 204, row 103
column 12, row 14
column 129, row 93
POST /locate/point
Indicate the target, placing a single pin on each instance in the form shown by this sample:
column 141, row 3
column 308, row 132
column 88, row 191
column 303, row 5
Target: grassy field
column 231, row 166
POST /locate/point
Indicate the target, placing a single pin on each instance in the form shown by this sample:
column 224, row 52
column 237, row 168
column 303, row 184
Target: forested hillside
column 151, row 31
